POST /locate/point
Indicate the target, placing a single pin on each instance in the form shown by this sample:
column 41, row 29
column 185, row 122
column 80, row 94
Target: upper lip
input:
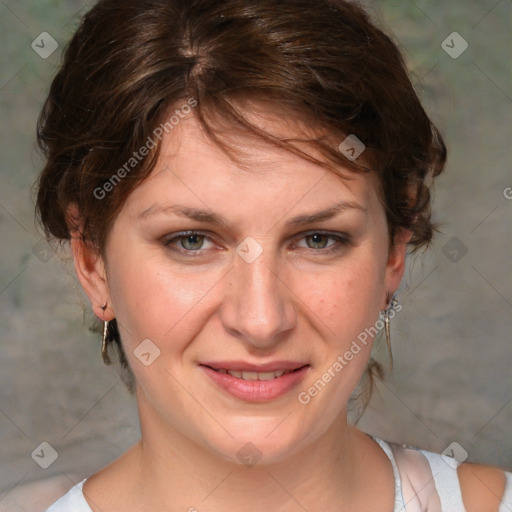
column 243, row 366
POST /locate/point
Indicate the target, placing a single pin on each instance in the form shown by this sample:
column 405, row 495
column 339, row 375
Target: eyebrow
column 215, row 219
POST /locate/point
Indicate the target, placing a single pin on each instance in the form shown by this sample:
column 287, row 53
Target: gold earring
column 104, row 340
column 391, row 302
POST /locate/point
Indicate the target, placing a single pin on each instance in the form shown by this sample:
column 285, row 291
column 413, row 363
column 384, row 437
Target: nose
column 258, row 306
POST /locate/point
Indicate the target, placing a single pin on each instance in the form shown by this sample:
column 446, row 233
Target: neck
column 176, row 473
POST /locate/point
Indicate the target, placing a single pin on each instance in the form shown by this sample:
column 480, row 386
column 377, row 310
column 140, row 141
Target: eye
column 186, row 242
column 320, row 242
column 192, row 242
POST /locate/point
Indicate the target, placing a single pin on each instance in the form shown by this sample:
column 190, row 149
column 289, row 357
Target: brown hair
column 131, row 61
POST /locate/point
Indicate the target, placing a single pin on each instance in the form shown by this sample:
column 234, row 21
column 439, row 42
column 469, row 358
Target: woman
column 240, row 182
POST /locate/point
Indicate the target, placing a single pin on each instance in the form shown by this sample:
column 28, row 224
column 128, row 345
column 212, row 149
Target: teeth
column 255, row 375
column 268, row 375
column 249, row 376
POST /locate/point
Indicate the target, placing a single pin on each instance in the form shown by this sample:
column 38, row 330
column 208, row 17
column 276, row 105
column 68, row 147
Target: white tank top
column 424, row 482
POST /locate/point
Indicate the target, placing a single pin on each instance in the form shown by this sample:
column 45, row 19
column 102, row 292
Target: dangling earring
column 104, row 353
column 391, row 303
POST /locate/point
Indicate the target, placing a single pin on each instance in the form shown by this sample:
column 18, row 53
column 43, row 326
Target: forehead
column 191, row 164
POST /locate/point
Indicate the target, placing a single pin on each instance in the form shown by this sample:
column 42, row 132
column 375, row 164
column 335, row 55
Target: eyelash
column 341, row 241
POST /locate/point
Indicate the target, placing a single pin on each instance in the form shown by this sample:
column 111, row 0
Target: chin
column 259, row 440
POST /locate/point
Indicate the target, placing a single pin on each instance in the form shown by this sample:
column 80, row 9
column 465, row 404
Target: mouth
column 256, row 383
column 249, row 375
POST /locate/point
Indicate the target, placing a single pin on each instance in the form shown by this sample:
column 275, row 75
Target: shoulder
column 482, row 487
column 73, row 501
column 434, row 481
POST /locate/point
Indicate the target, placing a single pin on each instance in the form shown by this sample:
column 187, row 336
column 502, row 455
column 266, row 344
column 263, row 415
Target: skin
column 294, row 302
column 482, row 487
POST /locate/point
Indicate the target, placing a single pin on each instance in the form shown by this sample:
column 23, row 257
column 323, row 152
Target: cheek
column 154, row 301
column 346, row 297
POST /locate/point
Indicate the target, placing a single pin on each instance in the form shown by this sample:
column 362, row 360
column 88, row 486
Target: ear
column 395, row 266
column 89, row 266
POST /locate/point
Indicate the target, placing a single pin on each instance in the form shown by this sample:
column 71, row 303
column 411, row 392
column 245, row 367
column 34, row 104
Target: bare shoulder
column 112, row 484
column 482, row 487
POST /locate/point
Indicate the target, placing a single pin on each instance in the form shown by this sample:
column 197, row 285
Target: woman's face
column 212, row 267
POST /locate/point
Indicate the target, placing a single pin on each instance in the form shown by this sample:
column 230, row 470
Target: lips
column 256, row 383
column 242, row 366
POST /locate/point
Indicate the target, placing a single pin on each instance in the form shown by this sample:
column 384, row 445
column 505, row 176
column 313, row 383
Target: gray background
column 451, row 343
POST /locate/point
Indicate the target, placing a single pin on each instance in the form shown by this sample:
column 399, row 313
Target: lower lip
column 257, row 390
